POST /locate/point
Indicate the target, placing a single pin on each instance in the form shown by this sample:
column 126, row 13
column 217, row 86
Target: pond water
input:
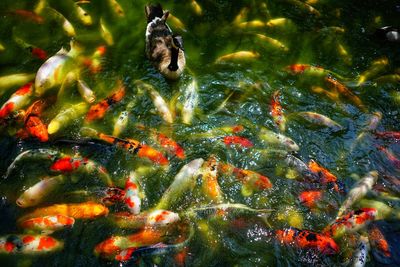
column 329, row 39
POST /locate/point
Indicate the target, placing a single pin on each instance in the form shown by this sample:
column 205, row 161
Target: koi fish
column 158, row 101
column 54, row 69
column 210, row 184
column 176, row 22
column 217, row 132
column 76, row 163
column 132, row 199
column 351, row 222
column 309, row 198
column 183, row 181
column 390, row 78
column 334, row 84
column 306, row 239
column 12, row 80
column 48, row 223
column 241, row 16
column 378, row 241
column 359, row 190
column 66, row 25
column 85, row 210
column 276, row 139
column 196, row 8
column 27, row 15
column 116, row 7
column 114, row 245
column 326, row 177
column 344, row 54
column 191, row 99
column 277, row 111
column 170, row 145
column 29, row 244
column 388, row 135
column 99, row 110
column 127, row 220
column 66, row 115
column 361, row 253
column 238, row 56
column 305, row 7
column 37, row 193
column 134, row 147
column 161, row 218
column 390, row 156
column 18, row 100
column 83, row 16
column 238, row 140
column 252, row 181
column 105, row 33
column 377, row 66
column 34, row 126
column 272, row 42
column 86, row 92
column 319, row 120
column 299, row 166
column 300, row 68
column 331, row 95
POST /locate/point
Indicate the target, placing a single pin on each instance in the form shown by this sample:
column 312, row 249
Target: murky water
column 337, row 36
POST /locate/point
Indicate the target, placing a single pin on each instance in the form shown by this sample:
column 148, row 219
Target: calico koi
column 351, row 222
column 29, row 244
column 305, row 239
column 18, row 100
column 48, row 223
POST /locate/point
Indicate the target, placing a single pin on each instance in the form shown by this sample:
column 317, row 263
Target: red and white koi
column 29, row 244
column 37, row 193
column 18, row 100
column 305, row 239
column 351, row 222
column 132, row 199
column 359, row 190
column 161, row 218
column 69, row 164
column 48, row 223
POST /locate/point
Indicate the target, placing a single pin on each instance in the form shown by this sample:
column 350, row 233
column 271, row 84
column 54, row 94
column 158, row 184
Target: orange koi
column 134, row 147
column 351, row 222
column 326, row 177
column 277, row 111
column 99, row 110
column 170, row 145
column 249, row 178
column 17, row 100
column 211, row 187
column 94, row 63
column 309, row 198
column 306, row 239
column 48, row 223
column 302, row 68
column 378, row 240
column 85, row 210
column 334, row 84
column 238, row 140
column 114, row 245
column 29, row 244
column 34, row 126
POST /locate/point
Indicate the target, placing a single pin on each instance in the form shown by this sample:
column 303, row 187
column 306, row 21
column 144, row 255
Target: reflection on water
column 310, row 71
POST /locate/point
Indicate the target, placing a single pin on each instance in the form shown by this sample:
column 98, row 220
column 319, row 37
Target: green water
column 208, row 36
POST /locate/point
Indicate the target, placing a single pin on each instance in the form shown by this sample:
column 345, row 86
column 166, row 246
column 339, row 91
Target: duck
column 163, row 48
